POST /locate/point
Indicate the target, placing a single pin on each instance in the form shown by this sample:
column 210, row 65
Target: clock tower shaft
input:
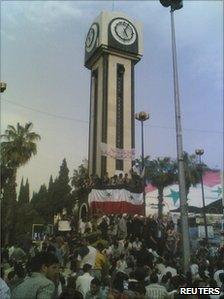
column 113, row 47
column 111, row 115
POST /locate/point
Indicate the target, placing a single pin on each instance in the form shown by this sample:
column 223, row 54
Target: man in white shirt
column 90, row 257
column 82, row 226
column 154, row 290
column 122, row 227
column 4, row 290
column 169, row 268
column 83, row 281
column 194, row 268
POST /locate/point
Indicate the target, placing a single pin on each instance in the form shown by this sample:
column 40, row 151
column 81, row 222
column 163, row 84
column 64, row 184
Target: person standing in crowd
column 120, row 179
column 18, row 254
column 160, row 236
column 126, row 180
column 59, row 243
column 82, row 226
column 87, row 254
column 171, row 241
column 137, row 244
column 83, row 281
column 106, row 179
column 122, row 227
column 16, row 275
column 95, row 290
column 144, row 257
column 4, row 290
column 154, row 289
column 101, row 262
column 44, row 266
column 103, row 226
column 89, row 225
column 136, row 227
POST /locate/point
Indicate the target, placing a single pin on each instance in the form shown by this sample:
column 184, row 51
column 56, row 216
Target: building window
column 104, row 111
column 95, row 104
column 120, row 113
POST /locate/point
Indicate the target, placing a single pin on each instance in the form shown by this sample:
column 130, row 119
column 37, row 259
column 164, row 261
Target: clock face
column 91, row 37
column 123, row 31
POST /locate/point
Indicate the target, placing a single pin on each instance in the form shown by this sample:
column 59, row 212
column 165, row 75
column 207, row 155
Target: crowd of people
column 132, row 181
column 111, row 257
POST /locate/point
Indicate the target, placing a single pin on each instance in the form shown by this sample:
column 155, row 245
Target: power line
column 85, row 121
column 46, row 113
column 197, row 130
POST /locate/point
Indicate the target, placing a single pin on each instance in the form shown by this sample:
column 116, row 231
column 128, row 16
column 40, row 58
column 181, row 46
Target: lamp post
column 174, row 5
column 2, row 89
column 2, row 86
column 142, row 116
column 199, row 152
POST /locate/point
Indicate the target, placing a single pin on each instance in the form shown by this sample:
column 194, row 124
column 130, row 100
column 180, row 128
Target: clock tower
column 112, row 48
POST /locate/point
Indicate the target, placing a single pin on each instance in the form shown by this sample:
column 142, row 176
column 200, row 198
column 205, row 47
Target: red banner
column 112, row 207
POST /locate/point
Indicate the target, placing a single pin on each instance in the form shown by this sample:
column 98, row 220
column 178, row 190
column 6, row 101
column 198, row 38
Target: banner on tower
column 117, row 201
column 117, row 153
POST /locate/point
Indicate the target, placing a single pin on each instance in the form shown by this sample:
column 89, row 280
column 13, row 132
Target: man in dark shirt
column 144, row 257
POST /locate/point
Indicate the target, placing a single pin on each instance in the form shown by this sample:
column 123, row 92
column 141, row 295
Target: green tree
column 26, row 216
column 50, row 199
column 161, row 172
column 21, row 193
column 61, row 190
column 27, row 192
column 9, row 208
column 79, row 175
column 50, row 185
column 17, row 148
column 77, row 181
column 19, row 145
column 41, row 204
column 24, row 193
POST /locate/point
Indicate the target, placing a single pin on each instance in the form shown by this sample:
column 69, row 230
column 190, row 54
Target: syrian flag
column 212, row 191
column 212, row 178
column 115, row 201
column 149, row 188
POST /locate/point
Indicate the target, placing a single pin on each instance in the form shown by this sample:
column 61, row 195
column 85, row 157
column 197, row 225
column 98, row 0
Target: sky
column 42, row 62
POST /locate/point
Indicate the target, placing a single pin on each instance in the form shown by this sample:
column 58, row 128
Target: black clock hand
column 126, row 26
column 125, row 32
column 125, row 29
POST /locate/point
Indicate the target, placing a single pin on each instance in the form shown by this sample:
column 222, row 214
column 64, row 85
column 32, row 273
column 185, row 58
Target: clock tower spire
column 112, row 48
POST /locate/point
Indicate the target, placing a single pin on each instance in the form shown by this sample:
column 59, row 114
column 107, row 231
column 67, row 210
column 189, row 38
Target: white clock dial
column 91, row 37
column 123, row 31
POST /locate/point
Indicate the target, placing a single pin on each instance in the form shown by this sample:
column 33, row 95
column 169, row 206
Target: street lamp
column 199, row 152
column 2, row 86
column 174, row 5
column 2, row 89
column 142, row 116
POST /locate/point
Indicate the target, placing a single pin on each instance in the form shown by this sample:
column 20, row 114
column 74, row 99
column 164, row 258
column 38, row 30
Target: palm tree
column 161, row 172
column 18, row 147
column 192, row 171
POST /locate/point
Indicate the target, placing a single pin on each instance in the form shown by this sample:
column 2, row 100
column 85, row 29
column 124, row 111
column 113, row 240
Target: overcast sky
column 42, row 55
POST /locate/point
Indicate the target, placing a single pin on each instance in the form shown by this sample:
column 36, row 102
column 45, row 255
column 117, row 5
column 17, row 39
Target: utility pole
column 175, row 5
